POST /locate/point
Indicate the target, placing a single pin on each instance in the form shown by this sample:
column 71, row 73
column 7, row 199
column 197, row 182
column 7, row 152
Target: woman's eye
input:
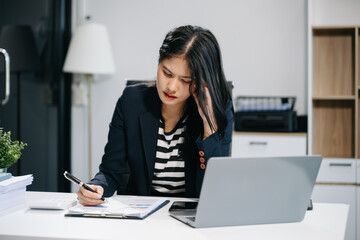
column 186, row 81
column 167, row 74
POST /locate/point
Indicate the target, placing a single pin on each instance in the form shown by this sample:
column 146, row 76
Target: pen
column 74, row 179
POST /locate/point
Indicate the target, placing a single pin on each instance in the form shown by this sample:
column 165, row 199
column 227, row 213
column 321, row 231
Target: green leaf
column 10, row 151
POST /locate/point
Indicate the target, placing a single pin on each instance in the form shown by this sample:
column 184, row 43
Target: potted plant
column 10, row 151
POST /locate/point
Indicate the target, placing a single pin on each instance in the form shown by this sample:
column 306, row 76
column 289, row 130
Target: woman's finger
column 88, row 201
column 92, row 195
column 89, row 198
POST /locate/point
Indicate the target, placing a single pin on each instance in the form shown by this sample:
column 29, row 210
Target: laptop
column 244, row 191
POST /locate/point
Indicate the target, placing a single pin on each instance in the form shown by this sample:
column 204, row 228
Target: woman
column 166, row 133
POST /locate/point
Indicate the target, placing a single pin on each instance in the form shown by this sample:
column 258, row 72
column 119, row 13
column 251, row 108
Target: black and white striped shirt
column 169, row 172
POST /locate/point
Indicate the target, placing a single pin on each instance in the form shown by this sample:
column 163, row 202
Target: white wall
column 263, row 45
column 334, row 12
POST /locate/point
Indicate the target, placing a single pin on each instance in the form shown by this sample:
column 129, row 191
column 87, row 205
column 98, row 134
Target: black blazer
column 132, row 141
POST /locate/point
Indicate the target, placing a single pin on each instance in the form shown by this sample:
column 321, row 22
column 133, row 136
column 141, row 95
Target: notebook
column 244, row 191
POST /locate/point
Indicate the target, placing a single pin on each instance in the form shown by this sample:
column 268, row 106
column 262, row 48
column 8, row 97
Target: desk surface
column 326, row 221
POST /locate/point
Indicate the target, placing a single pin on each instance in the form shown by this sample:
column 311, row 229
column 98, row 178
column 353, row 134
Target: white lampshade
column 90, row 51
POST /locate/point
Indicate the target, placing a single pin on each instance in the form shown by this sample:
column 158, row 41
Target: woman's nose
column 172, row 84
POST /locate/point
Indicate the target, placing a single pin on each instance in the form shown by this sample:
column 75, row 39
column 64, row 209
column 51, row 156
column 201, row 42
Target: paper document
column 120, row 207
column 15, row 182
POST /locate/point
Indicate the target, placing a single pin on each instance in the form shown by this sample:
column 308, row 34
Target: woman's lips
column 169, row 96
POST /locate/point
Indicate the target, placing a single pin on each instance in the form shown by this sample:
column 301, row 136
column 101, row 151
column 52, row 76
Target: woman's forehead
column 177, row 65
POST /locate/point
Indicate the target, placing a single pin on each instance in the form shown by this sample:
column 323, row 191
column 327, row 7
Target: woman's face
column 173, row 81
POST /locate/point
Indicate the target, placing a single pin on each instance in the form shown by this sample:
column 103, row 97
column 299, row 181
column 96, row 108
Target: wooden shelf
column 336, row 91
column 357, row 76
column 331, row 28
column 334, row 97
column 334, row 128
column 357, row 57
column 334, row 61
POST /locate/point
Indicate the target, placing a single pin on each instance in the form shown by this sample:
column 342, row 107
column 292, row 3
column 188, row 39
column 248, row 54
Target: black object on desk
column 265, row 114
column 310, row 206
column 266, row 121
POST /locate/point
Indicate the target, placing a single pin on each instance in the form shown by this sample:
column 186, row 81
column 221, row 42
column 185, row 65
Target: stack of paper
column 12, row 193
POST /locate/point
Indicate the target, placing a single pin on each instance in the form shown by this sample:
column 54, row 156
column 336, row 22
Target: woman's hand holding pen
column 207, row 129
column 88, row 198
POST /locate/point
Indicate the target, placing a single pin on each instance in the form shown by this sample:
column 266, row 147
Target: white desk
column 326, row 221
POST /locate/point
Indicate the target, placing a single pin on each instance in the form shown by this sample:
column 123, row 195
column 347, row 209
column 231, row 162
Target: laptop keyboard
column 191, row 218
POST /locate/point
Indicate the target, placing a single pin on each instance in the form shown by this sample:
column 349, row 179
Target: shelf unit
column 334, row 116
column 336, row 92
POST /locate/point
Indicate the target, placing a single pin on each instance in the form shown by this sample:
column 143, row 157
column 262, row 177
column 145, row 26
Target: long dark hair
column 202, row 52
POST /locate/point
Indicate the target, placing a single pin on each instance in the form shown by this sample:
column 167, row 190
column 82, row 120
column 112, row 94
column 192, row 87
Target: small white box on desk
column 51, row 203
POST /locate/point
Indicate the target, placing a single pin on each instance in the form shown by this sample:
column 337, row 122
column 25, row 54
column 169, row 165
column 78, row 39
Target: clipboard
column 120, row 208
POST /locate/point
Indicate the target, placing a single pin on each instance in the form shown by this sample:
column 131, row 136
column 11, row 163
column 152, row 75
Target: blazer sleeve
column 213, row 147
column 113, row 163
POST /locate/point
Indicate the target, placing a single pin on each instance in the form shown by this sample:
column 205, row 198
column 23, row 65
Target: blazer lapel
column 149, row 125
